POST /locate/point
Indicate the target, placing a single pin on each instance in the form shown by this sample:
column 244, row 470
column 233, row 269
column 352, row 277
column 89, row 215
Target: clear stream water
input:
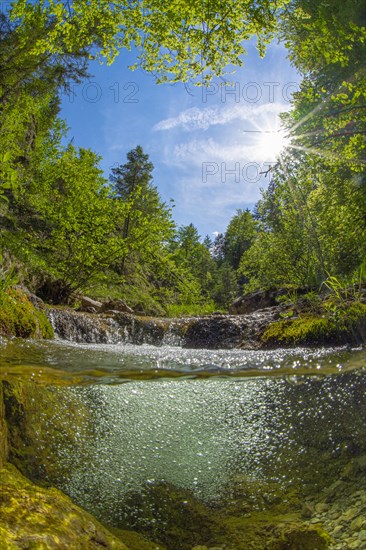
column 194, row 418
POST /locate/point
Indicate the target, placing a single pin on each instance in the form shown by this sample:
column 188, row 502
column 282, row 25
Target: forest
column 66, row 230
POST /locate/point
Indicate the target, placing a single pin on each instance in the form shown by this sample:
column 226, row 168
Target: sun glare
column 271, row 143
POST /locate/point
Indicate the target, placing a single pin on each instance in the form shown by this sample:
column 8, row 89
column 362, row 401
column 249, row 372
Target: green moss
column 253, row 515
column 301, row 537
column 35, row 517
column 136, row 541
column 43, row 422
column 341, row 325
column 172, row 516
column 274, row 532
column 3, row 430
column 306, row 329
column 19, row 317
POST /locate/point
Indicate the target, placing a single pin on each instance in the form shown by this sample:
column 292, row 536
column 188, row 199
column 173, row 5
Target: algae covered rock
column 44, row 424
column 3, row 430
column 136, row 541
column 173, row 516
column 301, row 537
column 35, row 517
column 343, row 324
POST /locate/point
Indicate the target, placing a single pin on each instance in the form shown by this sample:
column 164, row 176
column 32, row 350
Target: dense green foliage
column 66, row 230
column 312, row 217
column 176, row 40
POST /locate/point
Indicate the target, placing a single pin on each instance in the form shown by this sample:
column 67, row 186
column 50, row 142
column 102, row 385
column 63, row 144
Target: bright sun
column 271, row 143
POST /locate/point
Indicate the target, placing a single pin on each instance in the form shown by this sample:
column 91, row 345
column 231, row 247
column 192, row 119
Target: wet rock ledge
column 263, row 319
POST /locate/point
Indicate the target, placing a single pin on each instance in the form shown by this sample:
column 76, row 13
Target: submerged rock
column 43, row 423
column 341, row 507
column 171, row 515
column 177, row 519
column 35, row 517
column 3, row 430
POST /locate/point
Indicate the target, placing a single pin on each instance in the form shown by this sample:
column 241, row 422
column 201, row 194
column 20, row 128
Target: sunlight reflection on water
column 195, row 433
column 64, row 362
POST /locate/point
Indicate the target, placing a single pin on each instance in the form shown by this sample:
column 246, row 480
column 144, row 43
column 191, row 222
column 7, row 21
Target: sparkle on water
column 194, row 433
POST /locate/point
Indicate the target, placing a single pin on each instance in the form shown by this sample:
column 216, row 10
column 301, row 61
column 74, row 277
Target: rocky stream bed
column 307, row 491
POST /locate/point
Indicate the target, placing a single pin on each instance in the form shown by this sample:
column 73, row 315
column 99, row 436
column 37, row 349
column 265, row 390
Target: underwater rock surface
column 35, row 517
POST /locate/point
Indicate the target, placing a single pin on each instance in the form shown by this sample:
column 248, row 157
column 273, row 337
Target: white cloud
column 203, row 118
column 193, row 154
column 190, row 119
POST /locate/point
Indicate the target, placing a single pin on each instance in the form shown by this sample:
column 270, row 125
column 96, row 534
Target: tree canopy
column 176, row 40
column 62, row 222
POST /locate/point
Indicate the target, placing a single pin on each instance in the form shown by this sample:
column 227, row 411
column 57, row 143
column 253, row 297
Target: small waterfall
column 210, row 332
column 85, row 327
column 89, row 328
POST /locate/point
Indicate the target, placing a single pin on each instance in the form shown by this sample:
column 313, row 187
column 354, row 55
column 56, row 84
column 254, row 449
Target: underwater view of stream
column 186, row 446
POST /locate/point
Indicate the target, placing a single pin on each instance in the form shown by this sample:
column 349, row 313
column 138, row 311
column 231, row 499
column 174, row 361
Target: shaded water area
column 224, row 449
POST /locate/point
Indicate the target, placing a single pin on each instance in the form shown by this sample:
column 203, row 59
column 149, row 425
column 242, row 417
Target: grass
column 180, row 310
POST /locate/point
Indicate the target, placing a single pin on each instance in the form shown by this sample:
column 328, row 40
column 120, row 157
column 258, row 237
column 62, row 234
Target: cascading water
column 111, row 329
column 212, row 332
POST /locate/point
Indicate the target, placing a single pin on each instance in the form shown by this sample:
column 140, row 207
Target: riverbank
column 307, row 321
column 23, row 315
column 263, row 319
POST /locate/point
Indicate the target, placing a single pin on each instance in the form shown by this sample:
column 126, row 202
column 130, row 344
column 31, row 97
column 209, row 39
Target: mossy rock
column 271, row 531
column 19, row 317
column 3, row 430
column 301, row 537
column 345, row 325
column 43, row 422
column 172, row 516
column 35, row 517
column 244, row 495
column 179, row 521
column 136, row 541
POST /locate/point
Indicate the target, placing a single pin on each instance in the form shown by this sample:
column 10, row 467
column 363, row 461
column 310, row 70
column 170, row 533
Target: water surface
column 125, row 419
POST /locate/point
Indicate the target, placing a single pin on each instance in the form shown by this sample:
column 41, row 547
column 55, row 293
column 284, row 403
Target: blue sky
column 208, row 144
